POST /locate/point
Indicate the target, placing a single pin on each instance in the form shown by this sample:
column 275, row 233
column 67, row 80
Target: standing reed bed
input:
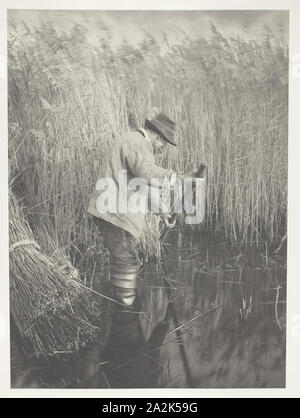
column 69, row 99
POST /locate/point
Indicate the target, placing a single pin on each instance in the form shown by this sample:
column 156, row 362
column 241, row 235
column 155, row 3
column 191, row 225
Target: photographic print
column 148, row 161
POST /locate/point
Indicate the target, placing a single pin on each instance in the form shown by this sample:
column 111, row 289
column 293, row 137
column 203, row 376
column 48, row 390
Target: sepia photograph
column 148, row 198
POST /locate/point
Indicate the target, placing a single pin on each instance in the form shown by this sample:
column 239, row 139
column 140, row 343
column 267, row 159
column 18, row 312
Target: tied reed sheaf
column 50, row 309
column 69, row 97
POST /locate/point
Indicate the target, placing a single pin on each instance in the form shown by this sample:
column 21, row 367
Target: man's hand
column 169, row 220
column 193, row 175
column 199, row 173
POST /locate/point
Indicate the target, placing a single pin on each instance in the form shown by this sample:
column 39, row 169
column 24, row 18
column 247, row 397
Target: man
column 133, row 154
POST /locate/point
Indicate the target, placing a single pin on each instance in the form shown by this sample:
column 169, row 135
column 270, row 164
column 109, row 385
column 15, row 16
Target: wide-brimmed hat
column 162, row 125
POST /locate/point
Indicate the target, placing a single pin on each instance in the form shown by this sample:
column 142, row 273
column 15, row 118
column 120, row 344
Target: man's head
column 161, row 130
column 158, row 141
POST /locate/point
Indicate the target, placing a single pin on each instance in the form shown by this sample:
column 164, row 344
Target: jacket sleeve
column 143, row 165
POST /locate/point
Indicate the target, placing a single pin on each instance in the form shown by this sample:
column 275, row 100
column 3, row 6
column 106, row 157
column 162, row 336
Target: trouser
column 124, row 260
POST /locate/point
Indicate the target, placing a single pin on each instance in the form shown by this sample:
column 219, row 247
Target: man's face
column 159, row 143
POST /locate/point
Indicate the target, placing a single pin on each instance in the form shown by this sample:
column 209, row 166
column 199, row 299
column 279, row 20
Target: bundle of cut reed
column 149, row 241
column 52, row 309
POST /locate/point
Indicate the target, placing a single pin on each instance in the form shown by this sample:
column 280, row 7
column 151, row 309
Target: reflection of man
column 133, row 152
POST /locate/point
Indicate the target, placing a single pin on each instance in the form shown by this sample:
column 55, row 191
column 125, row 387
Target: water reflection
column 224, row 327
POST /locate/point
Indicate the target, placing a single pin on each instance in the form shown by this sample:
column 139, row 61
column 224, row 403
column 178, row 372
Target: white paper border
column 293, row 291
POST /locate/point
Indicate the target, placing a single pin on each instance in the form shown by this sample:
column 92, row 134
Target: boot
column 125, row 333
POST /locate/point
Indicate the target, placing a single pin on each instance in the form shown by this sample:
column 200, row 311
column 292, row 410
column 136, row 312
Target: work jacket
column 132, row 153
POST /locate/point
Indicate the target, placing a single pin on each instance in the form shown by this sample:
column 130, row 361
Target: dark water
column 225, row 326
column 228, row 308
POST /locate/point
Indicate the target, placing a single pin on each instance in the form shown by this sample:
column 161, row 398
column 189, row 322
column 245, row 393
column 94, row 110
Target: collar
column 144, row 133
